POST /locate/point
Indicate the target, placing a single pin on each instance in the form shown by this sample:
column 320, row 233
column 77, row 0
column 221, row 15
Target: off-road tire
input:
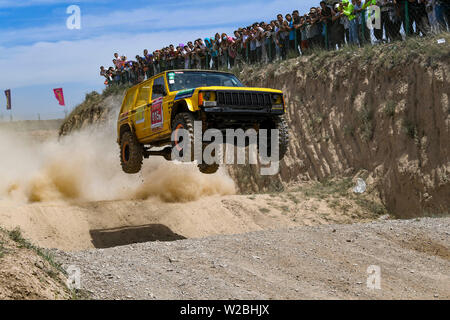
column 281, row 124
column 210, row 168
column 283, row 143
column 185, row 121
column 131, row 153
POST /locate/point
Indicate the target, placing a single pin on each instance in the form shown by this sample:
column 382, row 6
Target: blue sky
column 38, row 53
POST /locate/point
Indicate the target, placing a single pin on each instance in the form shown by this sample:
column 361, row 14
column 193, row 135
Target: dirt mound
column 28, row 272
column 95, row 109
column 82, row 225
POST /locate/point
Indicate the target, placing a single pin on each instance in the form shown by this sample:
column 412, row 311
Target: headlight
column 277, row 102
column 207, row 99
column 209, row 96
column 277, row 99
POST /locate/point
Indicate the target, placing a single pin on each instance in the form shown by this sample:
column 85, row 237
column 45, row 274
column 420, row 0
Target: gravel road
column 324, row 262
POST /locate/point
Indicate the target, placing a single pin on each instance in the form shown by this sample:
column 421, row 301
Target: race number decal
column 157, row 113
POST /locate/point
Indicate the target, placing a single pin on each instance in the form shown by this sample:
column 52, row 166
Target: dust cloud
column 85, row 166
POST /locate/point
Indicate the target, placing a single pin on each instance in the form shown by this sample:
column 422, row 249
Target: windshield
column 180, row 80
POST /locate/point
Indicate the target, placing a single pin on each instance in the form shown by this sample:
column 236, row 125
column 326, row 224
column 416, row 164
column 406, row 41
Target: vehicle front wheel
column 184, row 142
column 213, row 167
column 208, row 168
column 280, row 124
column 131, row 153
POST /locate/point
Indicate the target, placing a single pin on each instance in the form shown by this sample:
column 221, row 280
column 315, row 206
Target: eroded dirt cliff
column 382, row 109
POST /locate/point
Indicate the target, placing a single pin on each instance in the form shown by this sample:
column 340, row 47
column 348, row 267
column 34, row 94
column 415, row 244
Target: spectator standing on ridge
column 216, row 51
column 268, row 43
column 209, row 49
column 102, row 71
column 303, row 35
column 232, row 51
column 326, row 18
column 296, row 25
column 251, row 40
column 283, row 39
column 348, row 10
column 278, row 29
column 443, row 14
column 291, row 29
column 418, row 15
column 315, row 31
column 259, row 41
column 363, row 31
column 337, row 30
column 201, row 53
column 148, row 69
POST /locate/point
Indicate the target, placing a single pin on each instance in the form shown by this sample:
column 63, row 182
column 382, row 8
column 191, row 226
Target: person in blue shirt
column 290, row 21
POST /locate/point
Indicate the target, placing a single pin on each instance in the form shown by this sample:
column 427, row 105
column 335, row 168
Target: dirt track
column 324, row 262
column 104, row 224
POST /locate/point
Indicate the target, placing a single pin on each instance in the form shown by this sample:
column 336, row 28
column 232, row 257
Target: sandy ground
column 24, row 274
column 324, row 262
column 304, row 243
column 111, row 223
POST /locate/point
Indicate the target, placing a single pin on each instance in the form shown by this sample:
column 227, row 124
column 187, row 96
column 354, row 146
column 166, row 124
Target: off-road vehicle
column 172, row 100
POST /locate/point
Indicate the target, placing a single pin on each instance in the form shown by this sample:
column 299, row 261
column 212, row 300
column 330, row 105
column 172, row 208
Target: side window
column 143, row 96
column 158, row 88
column 129, row 100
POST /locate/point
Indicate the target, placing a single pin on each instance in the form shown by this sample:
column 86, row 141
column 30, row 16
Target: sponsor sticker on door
column 157, row 113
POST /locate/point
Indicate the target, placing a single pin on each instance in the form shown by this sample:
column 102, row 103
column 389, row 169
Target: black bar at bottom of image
column 178, row 310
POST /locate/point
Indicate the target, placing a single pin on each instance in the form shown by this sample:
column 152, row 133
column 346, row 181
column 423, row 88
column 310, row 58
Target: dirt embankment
column 95, row 109
column 27, row 272
column 384, row 109
column 380, row 110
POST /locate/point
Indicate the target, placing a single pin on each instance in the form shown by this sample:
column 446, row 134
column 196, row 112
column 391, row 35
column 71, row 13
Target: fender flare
column 190, row 105
column 184, row 105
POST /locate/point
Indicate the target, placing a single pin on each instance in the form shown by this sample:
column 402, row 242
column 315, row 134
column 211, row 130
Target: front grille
column 254, row 100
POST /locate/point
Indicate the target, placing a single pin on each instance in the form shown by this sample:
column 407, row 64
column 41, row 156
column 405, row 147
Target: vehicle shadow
column 107, row 238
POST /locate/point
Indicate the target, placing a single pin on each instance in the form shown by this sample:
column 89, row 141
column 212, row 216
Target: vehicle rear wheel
column 131, row 153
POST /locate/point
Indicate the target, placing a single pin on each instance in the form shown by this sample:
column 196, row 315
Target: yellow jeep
column 172, row 100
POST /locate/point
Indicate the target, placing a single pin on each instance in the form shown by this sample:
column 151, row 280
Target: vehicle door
column 159, row 112
column 142, row 118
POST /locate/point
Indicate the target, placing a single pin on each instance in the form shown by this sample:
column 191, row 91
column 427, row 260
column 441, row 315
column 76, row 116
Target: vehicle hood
column 216, row 88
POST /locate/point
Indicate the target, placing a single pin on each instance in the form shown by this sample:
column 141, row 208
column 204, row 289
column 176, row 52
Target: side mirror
column 159, row 89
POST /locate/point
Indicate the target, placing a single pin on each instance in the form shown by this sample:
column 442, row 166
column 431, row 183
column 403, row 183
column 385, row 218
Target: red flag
column 8, row 99
column 59, row 96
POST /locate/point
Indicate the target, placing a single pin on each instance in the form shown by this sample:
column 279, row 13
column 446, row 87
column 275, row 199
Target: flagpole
column 8, row 103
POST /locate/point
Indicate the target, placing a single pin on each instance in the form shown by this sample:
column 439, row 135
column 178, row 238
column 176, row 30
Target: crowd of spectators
column 330, row 26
